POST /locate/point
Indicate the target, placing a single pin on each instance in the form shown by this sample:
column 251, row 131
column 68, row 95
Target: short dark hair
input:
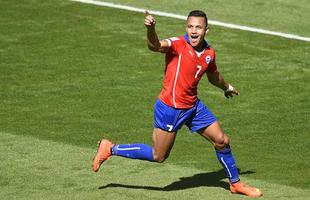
column 198, row 13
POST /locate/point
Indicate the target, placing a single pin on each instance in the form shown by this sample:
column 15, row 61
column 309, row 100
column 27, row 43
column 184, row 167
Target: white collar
column 199, row 53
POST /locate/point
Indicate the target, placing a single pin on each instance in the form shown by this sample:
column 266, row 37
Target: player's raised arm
column 153, row 43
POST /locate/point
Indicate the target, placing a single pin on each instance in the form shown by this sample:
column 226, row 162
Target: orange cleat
column 103, row 153
column 241, row 188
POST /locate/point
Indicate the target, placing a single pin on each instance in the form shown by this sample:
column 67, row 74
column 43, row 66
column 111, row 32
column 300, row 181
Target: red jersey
column 184, row 69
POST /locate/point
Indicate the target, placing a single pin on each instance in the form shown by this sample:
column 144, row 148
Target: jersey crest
column 208, row 59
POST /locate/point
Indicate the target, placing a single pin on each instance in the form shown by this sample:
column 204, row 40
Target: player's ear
column 207, row 30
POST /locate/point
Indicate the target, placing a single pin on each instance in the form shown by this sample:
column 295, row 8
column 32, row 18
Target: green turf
column 50, row 170
column 286, row 16
column 71, row 73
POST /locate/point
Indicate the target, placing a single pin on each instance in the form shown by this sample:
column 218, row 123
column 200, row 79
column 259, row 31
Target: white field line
column 213, row 22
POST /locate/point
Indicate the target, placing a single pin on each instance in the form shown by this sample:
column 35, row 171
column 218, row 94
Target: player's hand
column 230, row 91
column 149, row 20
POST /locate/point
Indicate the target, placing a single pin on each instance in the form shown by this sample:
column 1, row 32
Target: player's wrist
column 150, row 27
column 229, row 88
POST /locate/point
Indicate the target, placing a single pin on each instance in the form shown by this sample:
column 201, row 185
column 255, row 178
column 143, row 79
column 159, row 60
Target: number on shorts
column 170, row 127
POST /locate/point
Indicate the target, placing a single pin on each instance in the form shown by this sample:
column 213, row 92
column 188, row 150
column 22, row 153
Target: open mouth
column 194, row 38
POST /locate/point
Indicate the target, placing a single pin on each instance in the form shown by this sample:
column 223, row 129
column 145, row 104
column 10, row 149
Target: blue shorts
column 171, row 119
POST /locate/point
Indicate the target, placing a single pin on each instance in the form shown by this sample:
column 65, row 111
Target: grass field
column 276, row 15
column 72, row 73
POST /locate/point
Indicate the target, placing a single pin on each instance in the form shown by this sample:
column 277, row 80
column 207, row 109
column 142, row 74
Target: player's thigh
column 162, row 143
column 201, row 117
column 215, row 134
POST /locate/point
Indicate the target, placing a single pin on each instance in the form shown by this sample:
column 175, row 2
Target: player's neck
column 199, row 48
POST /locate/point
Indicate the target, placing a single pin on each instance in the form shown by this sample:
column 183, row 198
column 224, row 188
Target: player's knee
column 221, row 142
column 160, row 158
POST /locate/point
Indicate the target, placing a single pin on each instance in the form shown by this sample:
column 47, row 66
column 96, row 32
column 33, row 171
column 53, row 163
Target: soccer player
column 188, row 58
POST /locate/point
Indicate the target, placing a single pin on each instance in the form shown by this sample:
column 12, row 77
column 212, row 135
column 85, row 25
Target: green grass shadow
column 208, row 179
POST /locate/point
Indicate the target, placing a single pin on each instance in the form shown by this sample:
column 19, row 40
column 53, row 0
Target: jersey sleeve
column 212, row 65
column 174, row 43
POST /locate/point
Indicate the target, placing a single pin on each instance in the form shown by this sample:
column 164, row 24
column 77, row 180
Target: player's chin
column 194, row 43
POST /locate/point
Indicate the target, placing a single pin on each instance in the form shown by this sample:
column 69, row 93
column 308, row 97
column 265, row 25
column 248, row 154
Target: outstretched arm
column 217, row 79
column 153, row 43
